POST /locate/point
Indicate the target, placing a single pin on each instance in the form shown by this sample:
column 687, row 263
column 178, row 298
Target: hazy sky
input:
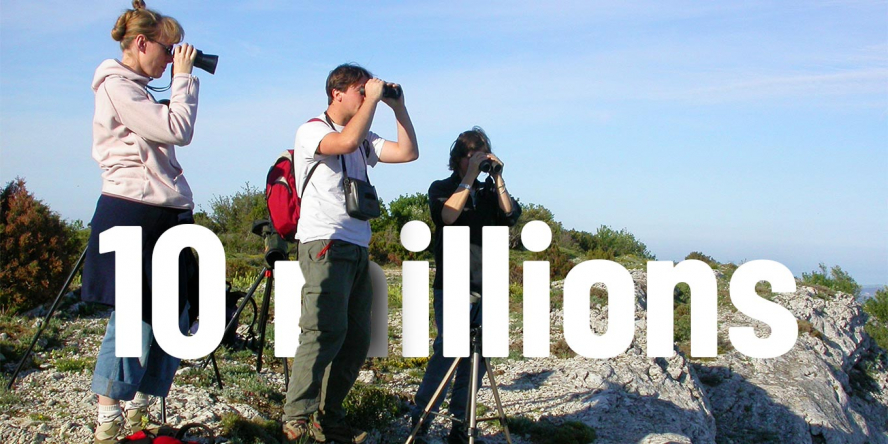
column 745, row 130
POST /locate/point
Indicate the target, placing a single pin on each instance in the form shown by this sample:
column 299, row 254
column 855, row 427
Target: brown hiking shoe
column 339, row 432
column 296, row 430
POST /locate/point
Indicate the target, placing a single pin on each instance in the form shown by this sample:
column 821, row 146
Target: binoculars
column 206, row 62
column 388, row 91
column 487, row 166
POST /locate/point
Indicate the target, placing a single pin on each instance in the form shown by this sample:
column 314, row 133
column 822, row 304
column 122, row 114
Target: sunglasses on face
column 167, row 48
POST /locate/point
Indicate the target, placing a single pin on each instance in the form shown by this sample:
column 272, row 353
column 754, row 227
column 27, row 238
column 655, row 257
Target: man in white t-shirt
column 333, row 253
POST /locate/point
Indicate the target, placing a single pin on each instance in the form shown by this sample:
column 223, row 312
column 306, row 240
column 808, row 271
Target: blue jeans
column 438, row 366
column 152, row 373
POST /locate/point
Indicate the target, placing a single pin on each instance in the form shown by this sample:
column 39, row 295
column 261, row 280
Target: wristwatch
column 468, row 187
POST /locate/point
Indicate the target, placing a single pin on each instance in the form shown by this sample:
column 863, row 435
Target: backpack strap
column 313, row 168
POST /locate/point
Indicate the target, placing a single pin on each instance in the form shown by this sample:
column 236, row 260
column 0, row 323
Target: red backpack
column 284, row 203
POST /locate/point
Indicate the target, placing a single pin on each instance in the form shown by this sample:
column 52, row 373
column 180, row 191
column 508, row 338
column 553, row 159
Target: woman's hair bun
column 138, row 4
column 119, row 30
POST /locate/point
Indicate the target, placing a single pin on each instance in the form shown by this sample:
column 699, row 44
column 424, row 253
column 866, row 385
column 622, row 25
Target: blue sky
column 745, row 130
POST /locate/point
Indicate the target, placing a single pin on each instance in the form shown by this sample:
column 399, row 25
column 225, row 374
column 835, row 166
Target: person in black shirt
column 462, row 200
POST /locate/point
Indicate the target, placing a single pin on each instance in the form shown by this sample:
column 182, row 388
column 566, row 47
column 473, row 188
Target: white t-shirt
column 323, row 213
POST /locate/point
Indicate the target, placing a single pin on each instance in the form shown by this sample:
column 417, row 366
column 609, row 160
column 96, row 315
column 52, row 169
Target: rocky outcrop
column 830, row 388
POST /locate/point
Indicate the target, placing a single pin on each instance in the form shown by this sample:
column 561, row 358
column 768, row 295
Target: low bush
column 696, row 255
column 545, row 431
column 370, row 407
column 240, row 430
column 38, row 250
column 834, row 279
column 877, row 326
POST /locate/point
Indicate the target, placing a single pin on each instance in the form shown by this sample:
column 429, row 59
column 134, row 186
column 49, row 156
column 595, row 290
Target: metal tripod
column 473, row 395
column 276, row 249
column 267, row 275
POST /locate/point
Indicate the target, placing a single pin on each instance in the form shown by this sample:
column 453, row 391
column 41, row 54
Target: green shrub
column 598, row 253
column 10, row 401
column 231, row 218
column 385, row 244
column 369, row 407
column 37, row 248
column 531, row 212
column 546, row 431
column 834, row 279
column 696, row 255
column 240, row 430
column 877, row 308
column 75, row 364
column 559, row 262
column 618, row 243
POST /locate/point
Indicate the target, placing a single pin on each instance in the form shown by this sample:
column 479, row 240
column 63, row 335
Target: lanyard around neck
column 341, row 158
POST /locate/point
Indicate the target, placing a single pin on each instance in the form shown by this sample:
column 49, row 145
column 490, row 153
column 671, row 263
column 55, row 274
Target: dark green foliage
column 385, row 245
column 621, row 243
column 369, row 407
column 559, row 262
column 598, row 253
column 545, row 431
column 877, row 326
column 531, row 212
column 38, row 249
column 410, row 207
column 257, row 431
column 609, row 244
column 696, row 255
column 231, row 218
column 833, row 279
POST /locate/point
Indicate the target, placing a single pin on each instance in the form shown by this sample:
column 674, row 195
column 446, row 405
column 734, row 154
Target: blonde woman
column 134, row 139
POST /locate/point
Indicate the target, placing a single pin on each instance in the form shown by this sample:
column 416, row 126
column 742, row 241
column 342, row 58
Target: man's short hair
column 344, row 76
column 474, row 139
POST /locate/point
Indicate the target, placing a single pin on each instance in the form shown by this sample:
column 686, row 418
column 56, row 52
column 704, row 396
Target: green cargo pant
column 335, row 325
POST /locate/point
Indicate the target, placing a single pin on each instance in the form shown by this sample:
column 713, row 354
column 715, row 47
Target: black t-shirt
column 481, row 209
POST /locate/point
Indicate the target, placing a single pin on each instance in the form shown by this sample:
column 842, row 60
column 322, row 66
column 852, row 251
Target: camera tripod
column 275, row 250
column 473, row 395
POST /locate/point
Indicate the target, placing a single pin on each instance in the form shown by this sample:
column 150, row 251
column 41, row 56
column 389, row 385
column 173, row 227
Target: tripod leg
column 216, row 370
column 286, row 372
column 46, row 319
column 473, row 397
column 163, row 410
column 231, row 323
column 428, row 408
column 263, row 318
column 496, row 397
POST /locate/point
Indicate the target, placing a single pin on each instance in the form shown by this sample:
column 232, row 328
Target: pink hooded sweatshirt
column 134, row 136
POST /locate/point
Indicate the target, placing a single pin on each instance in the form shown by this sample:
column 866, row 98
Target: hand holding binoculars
column 389, row 91
column 489, row 167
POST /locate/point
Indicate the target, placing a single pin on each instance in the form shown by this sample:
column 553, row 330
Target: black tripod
column 473, row 395
column 275, row 249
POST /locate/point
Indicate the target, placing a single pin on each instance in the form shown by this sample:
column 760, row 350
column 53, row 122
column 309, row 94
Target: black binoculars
column 487, row 166
column 388, row 91
column 206, row 62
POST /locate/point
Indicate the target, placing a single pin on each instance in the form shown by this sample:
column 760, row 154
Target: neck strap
column 364, row 155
